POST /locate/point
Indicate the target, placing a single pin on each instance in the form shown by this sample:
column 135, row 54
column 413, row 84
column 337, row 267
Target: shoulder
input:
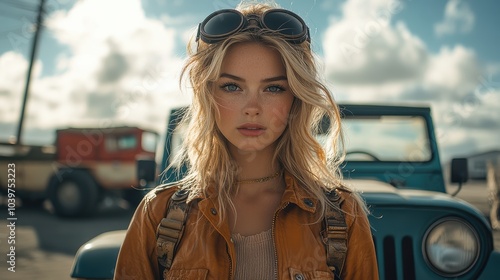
column 351, row 201
column 344, row 193
column 162, row 191
column 156, row 200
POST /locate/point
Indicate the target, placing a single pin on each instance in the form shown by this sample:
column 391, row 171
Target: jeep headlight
column 451, row 247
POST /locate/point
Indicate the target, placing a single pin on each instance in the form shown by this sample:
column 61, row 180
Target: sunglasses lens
column 284, row 23
column 222, row 23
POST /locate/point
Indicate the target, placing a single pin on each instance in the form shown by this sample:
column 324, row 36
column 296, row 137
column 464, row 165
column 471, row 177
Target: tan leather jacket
column 206, row 250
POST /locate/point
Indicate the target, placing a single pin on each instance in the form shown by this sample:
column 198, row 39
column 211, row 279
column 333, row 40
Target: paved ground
column 46, row 245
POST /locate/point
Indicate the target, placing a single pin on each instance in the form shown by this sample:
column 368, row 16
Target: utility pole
column 38, row 28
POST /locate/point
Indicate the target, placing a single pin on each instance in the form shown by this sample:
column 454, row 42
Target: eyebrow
column 272, row 79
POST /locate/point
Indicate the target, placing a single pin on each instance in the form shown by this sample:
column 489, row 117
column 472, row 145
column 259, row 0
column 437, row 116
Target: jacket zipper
column 230, row 263
column 274, row 240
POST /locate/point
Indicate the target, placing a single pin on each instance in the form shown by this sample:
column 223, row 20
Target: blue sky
column 116, row 62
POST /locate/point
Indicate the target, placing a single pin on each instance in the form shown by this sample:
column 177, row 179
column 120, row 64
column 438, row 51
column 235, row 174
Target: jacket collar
column 296, row 194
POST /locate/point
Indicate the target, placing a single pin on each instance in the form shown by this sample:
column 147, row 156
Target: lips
column 251, row 129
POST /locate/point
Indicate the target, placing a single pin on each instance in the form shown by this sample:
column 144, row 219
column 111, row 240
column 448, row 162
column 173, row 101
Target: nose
column 253, row 105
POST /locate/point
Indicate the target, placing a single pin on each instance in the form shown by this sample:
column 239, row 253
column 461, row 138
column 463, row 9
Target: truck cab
column 419, row 230
column 82, row 166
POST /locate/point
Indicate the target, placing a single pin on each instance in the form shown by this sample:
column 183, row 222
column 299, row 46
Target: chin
column 252, row 147
column 247, row 149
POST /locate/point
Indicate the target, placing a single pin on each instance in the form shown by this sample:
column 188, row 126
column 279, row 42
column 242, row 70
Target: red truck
column 84, row 165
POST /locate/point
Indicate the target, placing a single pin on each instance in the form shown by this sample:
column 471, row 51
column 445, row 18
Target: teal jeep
column 420, row 231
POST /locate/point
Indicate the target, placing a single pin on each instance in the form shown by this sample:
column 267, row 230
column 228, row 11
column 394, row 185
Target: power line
column 15, row 14
column 23, row 13
column 21, row 5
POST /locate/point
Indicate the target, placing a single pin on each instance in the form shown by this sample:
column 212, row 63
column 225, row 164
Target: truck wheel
column 73, row 193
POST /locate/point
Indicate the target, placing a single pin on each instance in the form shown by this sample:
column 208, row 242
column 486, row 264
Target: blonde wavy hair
column 205, row 150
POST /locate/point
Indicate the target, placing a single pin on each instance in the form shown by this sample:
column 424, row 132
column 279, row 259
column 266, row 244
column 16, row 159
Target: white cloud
column 466, row 127
column 453, row 71
column 362, row 50
column 458, row 18
column 13, row 72
column 390, row 57
column 370, row 58
column 13, row 69
column 120, row 70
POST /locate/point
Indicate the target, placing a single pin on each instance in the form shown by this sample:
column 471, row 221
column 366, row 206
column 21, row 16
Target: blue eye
column 230, row 87
column 275, row 89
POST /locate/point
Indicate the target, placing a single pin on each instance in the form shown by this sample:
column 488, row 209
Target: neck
column 255, row 165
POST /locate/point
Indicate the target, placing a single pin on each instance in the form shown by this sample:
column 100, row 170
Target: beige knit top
column 255, row 258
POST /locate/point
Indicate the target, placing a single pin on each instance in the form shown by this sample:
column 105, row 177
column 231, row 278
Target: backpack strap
column 170, row 230
column 336, row 234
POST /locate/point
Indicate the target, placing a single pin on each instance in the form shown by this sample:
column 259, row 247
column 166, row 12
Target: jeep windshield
column 385, row 138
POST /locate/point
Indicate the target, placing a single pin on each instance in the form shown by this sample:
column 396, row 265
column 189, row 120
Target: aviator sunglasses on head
column 224, row 23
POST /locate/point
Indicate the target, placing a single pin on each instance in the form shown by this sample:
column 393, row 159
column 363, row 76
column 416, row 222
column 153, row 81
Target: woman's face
column 253, row 98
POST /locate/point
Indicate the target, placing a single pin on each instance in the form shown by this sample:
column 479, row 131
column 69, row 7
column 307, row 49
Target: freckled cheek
column 225, row 107
column 279, row 119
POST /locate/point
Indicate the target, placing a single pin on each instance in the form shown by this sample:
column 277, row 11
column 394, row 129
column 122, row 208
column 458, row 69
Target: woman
column 257, row 179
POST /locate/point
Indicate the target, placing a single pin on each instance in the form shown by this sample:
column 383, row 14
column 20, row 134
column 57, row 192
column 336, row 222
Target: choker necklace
column 260, row 180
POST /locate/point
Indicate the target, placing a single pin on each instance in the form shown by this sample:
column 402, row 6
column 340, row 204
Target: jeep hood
column 383, row 194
